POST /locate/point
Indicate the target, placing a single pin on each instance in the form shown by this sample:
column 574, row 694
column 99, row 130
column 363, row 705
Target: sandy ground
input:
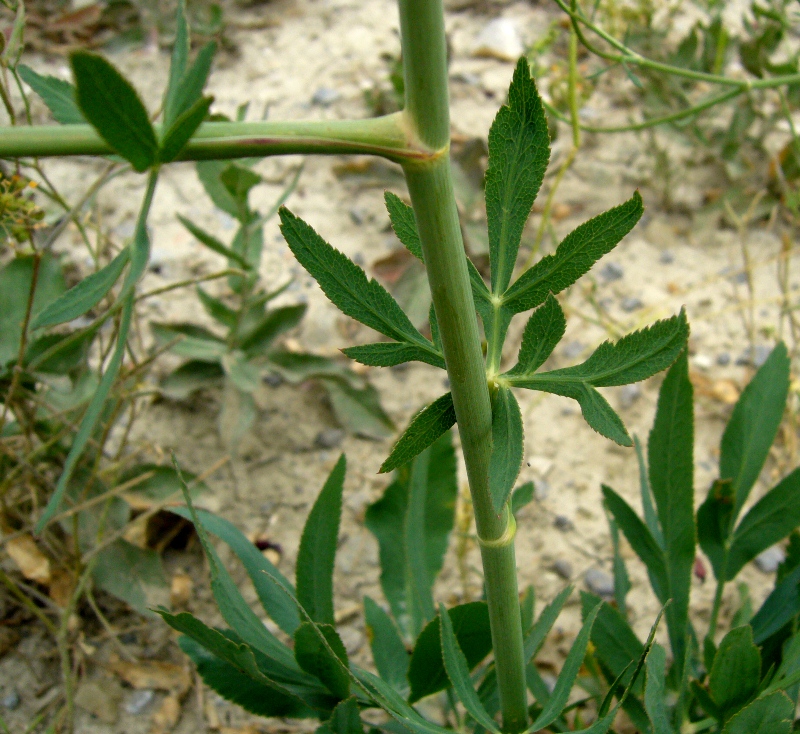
column 674, row 258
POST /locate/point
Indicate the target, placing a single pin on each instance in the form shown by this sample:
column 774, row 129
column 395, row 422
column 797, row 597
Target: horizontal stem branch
column 382, row 136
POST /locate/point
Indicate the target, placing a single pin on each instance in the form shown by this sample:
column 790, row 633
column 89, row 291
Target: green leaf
column 91, row 416
column 457, row 670
column 315, row 658
column 519, row 149
column 754, row 424
column 58, row 95
column 190, row 340
column 192, row 83
column 257, row 566
column 641, row 540
column 526, row 607
column 132, row 574
column 216, row 308
column 358, row 409
column 317, row 552
column 190, row 377
column 736, row 671
column 544, row 330
column 388, row 650
column 59, row 354
column 522, row 496
column 158, row 483
column 212, row 243
column 345, row 719
column 404, row 223
column 112, row 106
column 779, row 608
column 180, row 132
column 425, row 428
column 714, row 525
column 209, row 173
column 576, row 254
column 650, row 516
column 389, row 354
column 622, row 582
column 275, row 322
column 507, row 446
column 671, row 462
column 770, row 520
column 239, row 180
column 346, row 284
column 417, row 509
column 240, row 688
column 655, row 691
column 84, row 296
column 538, row 633
column 177, row 67
column 569, row 672
column 426, row 672
column 771, row 714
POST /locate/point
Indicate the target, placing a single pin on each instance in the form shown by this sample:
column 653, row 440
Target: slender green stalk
column 431, row 188
column 712, row 625
column 383, row 136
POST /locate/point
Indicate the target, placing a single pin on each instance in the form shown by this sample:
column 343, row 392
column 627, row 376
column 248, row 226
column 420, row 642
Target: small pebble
column 273, row 379
column 702, row 361
column 499, row 39
column 549, row 681
column 357, row 216
column 611, row 271
column 563, row 523
column 599, row 582
column 11, row 700
column 666, row 258
column 464, row 77
column 629, row 394
column 768, row 561
column 572, row 349
column 740, row 277
column 138, row 701
column 330, row 438
column 563, row 568
column 723, row 359
column 325, row 96
column 541, row 490
column 630, row 303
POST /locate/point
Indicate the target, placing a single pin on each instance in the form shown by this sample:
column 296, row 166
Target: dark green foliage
column 181, row 131
column 58, row 95
column 314, row 656
column 404, row 224
column 388, row 650
column 389, row 354
column 426, row 672
column 109, row 102
column 318, row 549
column 736, row 672
column 544, row 330
column 507, row 446
column 345, row 719
column 770, row 714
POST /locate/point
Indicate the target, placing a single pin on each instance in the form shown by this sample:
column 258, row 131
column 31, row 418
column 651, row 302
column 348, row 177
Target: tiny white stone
column 500, row 40
column 768, row 561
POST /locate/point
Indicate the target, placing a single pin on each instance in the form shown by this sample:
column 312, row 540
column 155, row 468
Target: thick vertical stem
column 431, row 188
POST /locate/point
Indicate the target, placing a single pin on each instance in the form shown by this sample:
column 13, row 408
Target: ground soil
column 675, row 258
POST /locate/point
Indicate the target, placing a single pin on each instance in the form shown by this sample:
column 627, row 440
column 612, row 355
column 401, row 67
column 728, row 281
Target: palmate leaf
column 346, row 284
column 58, row 95
column 519, row 150
column 389, row 354
column 112, row 106
column 576, row 254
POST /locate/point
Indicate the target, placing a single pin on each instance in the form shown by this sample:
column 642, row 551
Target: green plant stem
column 382, row 136
column 712, row 625
column 431, row 188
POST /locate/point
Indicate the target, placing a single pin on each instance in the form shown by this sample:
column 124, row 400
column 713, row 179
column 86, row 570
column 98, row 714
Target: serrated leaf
column 770, row 520
column 57, row 94
column 389, row 354
column 519, row 150
column 112, row 106
column 714, row 524
column 388, row 649
column 427, row 673
column 404, row 224
column 671, row 461
column 345, row 719
column 754, row 424
column 655, row 691
column 425, row 428
column 346, row 285
column 538, row 633
column 641, row 540
column 576, row 254
column 180, row 132
column 568, row 674
column 358, row 407
column 283, row 612
column 275, row 322
column 768, row 715
column 507, row 446
column 190, row 377
column 736, row 672
column 84, row 296
column 212, row 243
column 317, row 552
column 315, row 658
column 436, row 336
column 457, row 670
column 544, row 330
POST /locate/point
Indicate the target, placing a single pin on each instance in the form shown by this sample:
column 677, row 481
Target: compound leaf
column 519, row 150
column 427, row 426
column 112, row 106
column 57, row 94
column 576, row 254
column 317, row 552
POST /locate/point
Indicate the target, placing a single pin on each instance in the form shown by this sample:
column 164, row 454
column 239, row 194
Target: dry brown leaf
column 723, row 390
column 180, row 590
column 34, row 565
column 166, row 718
column 62, row 587
column 152, row 674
